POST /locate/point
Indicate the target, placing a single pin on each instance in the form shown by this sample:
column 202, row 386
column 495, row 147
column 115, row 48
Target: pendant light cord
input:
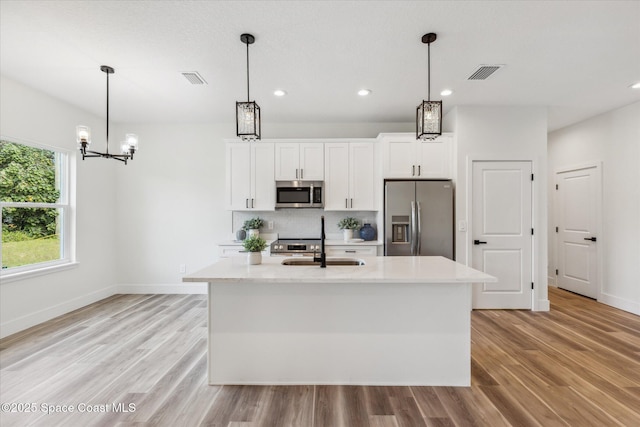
column 107, row 113
column 248, row 98
column 428, row 71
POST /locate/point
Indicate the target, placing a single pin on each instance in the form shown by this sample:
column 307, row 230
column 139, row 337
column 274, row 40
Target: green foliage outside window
column 27, row 174
column 32, row 211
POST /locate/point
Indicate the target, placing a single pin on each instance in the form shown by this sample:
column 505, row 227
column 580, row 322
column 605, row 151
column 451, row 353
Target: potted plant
column 253, row 226
column 254, row 245
column 348, row 225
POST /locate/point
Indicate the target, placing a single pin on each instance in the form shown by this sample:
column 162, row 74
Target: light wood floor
column 577, row 365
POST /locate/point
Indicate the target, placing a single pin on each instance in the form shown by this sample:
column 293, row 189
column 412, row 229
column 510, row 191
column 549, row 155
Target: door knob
column 593, row 239
column 479, row 242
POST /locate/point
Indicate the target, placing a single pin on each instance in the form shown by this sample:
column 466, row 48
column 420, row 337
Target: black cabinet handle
column 593, row 239
column 479, row 242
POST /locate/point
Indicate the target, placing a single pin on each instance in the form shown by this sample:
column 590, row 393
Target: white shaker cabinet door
column 312, row 161
column 238, row 176
column 349, row 176
column 362, row 183
column 263, row 196
column 250, row 183
column 287, row 161
column 299, row 161
column 435, row 159
column 399, row 158
column 406, row 157
column 336, row 183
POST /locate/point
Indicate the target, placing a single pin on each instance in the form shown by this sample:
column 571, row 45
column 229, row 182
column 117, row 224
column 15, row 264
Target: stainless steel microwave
column 299, row 194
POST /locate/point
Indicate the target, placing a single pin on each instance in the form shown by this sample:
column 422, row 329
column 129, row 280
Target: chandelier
column 83, row 135
column 247, row 113
column 429, row 114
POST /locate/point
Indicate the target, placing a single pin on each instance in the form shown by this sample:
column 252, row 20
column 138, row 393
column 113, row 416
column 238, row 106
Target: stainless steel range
column 295, row 247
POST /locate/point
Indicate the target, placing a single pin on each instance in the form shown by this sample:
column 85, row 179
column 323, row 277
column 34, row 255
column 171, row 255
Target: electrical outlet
column 182, row 268
column 270, row 225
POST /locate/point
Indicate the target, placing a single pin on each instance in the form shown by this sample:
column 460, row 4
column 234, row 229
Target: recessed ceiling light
column 635, row 85
column 446, row 92
column 279, row 92
column 364, row 92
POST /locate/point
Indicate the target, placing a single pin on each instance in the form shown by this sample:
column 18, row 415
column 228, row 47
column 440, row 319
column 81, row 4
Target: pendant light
column 247, row 113
column 83, row 135
column 429, row 114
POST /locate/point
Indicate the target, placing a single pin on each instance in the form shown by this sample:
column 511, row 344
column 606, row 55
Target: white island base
column 342, row 325
column 346, row 333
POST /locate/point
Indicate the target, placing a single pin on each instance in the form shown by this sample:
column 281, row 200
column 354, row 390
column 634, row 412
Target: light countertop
column 421, row 270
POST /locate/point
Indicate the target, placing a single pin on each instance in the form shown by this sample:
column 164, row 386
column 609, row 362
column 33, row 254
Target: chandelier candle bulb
column 132, row 140
column 83, row 134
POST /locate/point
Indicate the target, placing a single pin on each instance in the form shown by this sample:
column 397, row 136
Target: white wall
column 504, row 133
column 27, row 115
column 612, row 138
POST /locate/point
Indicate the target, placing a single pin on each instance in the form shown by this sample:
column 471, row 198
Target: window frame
column 65, row 178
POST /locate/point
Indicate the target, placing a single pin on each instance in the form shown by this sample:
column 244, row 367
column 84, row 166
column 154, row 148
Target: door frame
column 539, row 294
column 598, row 165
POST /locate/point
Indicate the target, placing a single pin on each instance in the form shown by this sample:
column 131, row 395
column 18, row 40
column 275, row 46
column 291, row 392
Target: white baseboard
column 168, row 288
column 621, row 303
column 552, row 281
column 32, row 319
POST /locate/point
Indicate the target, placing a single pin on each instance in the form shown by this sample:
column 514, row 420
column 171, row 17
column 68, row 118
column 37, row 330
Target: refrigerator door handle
column 412, row 225
column 419, row 230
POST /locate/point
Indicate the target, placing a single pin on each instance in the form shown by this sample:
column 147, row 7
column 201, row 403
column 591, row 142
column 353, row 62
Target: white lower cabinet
column 352, row 250
column 250, row 176
column 350, row 176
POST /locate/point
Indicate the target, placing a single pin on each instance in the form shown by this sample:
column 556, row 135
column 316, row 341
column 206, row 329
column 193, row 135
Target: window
column 34, row 187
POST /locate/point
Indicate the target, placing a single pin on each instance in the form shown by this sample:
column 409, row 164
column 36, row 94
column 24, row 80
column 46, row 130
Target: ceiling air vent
column 484, row 71
column 193, row 77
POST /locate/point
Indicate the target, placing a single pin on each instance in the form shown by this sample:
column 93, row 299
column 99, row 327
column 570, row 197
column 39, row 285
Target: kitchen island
column 392, row 321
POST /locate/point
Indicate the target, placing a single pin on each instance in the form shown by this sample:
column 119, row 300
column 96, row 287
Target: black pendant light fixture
column 429, row 114
column 83, row 135
column 247, row 113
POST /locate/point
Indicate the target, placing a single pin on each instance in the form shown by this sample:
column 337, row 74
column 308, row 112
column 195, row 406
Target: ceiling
column 577, row 58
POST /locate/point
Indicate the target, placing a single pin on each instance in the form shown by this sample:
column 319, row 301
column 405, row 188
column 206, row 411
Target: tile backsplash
column 302, row 223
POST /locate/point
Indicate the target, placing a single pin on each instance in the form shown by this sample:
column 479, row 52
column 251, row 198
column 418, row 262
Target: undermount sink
column 330, row 261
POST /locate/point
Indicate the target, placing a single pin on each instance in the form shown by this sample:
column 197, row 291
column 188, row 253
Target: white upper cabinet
column 405, row 157
column 350, row 182
column 299, row 161
column 250, row 183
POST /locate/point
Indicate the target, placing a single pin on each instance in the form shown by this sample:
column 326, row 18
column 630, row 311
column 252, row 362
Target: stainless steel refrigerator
column 418, row 218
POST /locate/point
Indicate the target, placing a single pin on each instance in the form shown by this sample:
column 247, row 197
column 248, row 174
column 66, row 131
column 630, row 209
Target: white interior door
column 502, row 233
column 577, row 246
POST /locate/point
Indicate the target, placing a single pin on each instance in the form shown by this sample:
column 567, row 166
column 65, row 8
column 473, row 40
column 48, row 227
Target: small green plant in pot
column 253, row 226
column 254, row 245
column 348, row 225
